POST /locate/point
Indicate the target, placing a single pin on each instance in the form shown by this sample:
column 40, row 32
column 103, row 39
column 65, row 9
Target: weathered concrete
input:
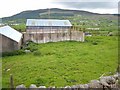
column 8, row 44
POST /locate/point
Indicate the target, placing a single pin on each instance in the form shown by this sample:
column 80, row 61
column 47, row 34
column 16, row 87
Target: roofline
column 46, row 19
column 10, row 38
column 50, row 26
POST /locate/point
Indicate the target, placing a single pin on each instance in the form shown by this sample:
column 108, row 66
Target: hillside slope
column 56, row 13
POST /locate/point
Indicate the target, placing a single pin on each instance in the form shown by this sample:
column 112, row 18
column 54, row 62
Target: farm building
column 50, row 30
column 10, row 39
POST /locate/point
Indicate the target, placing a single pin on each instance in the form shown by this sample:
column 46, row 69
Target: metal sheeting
column 47, row 22
column 10, row 33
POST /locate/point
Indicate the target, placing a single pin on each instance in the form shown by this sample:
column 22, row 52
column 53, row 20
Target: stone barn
column 50, row 30
column 10, row 39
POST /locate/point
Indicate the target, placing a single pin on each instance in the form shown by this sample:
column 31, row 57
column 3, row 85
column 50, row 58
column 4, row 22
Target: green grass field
column 63, row 63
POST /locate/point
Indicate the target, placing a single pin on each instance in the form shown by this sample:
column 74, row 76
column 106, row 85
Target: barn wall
column 26, row 37
column 20, row 43
column 52, row 34
column 8, row 44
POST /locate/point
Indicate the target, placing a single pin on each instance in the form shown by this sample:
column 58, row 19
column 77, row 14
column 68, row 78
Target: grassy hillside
column 63, row 63
column 79, row 18
column 55, row 13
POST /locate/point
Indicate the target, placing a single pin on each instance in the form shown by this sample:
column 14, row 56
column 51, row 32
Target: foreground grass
column 63, row 63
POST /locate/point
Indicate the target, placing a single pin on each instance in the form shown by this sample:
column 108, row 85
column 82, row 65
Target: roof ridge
column 45, row 22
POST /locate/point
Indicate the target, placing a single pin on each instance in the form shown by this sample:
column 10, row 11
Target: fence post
column 70, row 34
column 11, row 82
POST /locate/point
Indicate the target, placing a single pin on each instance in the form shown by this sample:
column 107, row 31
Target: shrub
column 31, row 46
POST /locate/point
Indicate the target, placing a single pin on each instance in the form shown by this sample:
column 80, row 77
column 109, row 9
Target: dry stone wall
column 104, row 83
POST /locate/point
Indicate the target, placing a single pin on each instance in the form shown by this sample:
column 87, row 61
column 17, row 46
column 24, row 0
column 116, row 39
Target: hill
column 56, row 13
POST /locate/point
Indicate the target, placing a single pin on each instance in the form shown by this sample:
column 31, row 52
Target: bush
column 13, row 53
column 31, row 46
column 37, row 53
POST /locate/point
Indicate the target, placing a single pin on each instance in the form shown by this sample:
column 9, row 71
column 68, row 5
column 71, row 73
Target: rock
column 110, row 34
column 8, row 70
column 94, row 81
column 95, row 84
column 27, row 51
column 75, row 86
column 33, row 86
column 21, row 87
column 80, row 86
column 51, row 88
column 108, row 82
column 108, row 79
column 86, row 85
column 67, row 87
column 104, row 83
column 42, row 87
column 116, row 76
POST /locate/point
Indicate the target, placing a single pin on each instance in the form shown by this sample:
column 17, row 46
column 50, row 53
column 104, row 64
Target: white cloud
column 10, row 7
column 103, row 11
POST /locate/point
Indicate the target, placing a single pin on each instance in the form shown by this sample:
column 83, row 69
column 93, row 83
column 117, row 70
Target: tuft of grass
column 37, row 53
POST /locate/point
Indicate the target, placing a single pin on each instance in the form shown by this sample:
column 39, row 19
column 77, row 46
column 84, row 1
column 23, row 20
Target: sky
column 12, row 7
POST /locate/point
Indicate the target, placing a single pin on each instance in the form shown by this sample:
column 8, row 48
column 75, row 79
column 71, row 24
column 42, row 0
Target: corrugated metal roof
column 10, row 33
column 47, row 22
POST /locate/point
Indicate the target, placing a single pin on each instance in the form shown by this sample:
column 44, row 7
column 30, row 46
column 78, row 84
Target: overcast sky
column 11, row 7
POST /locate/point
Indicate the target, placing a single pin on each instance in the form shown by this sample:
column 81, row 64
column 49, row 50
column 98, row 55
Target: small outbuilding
column 10, row 39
